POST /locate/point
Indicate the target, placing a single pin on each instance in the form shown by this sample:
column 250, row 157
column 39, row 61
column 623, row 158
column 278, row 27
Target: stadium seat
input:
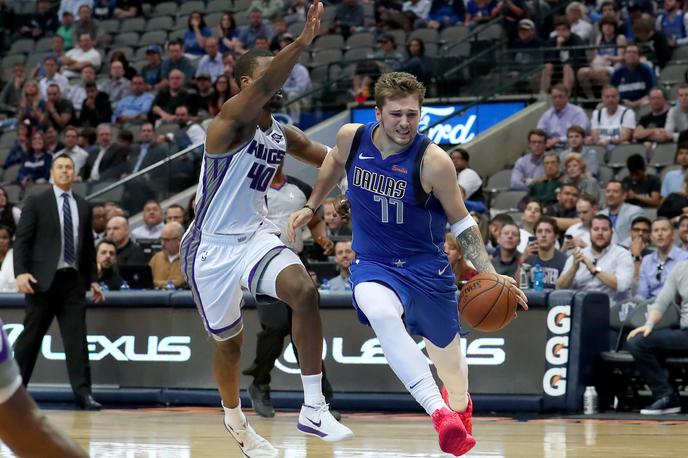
column 182, row 22
column 80, row 188
column 508, row 200
column 126, row 39
column 134, row 24
column 8, row 138
column 241, row 18
column 36, row 188
column 189, row 7
column 399, row 36
column 10, row 173
column 680, row 54
column 153, row 38
column 176, row 35
column 128, row 52
column 241, row 5
column 213, row 19
column 461, row 50
column 325, row 56
column 361, row 40
column 663, row 155
column 160, row 23
column 23, row 45
column 295, row 29
column 13, row 190
column 44, row 45
column 114, row 195
column 110, row 26
column 359, row 53
column 329, row 41
column 601, row 153
column 618, row 156
column 667, row 170
column 491, row 32
column 425, row 35
column 499, row 181
column 166, row 8
column 651, row 213
column 453, row 34
column 432, row 49
column 606, row 174
column 217, row 6
column 9, row 60
column 673, row 74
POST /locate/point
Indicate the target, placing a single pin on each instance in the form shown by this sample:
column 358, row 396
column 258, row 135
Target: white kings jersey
column 230, row 198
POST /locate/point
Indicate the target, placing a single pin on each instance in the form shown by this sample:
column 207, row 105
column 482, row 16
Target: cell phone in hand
column 568, row 237
column 531, row 239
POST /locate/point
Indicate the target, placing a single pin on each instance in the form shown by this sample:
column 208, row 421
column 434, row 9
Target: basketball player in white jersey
column 231, row 244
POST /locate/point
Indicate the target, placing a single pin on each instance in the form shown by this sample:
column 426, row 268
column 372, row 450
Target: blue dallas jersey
column 392, row 217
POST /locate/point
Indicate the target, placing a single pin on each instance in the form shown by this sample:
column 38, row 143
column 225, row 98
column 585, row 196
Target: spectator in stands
column 191, row 133
column 298, row 83
column 279, row 26
column 52, row 143
column 296, row 12
column 204, row 94
column 165, row 264
column 530, row 166
column 654, row 45
column 41, row 23
column 134, row 108
column 72, row 6
column 637, row 243
column 682, row 241
column 147, row 152
column 511, row 12
column 8, row 282
column 108, row 161
column 87, row 140
column 226, row 34
column 480, row 11
column 417, row 12
column 336, row 226
column 576, row 173
column 542, row 252
column 256, row 27
column 96, row 108
column 556, row 120
column 21, row 145
column 601, row 267
column 12, row 90
column 349, row 18
column 544, row 188
column 117, row 86
column 529, row 42
column 52, row 76
column 152, row 222
column 77, row 92
column 494, row 228
column 262, row 43
column 602, row 65
column 31, row 105
column 417, row 63
column 73, row 150
column 102, row 9
column 66, row 31
column 152, row 71
column 87, row 25
column 167, row 100
column 175, row 213
column 196, row 35
column 176, row 61
column 127, row 8
column 446, row 13
column 106, row 262
column 612, row 124
column 128, row 252
column 651, row 126
column 223, row 90
column 565, row 206
column 677, row 119
column 119, row 56
column 386, row 58
column 633, row 79
column 620, row 213
column 59, row 112
column 9, row 213
column 562, row 65
column 211, row 63
column 506, row 256
column 674, row 205
column 673, row 22
column 343, row 255
column 462, row 268
column 578, row 235
column 85, row 55
column 270, row 9
column 641, row 189
column 469, row 180
column 531, row 215
column 673, row 180
column 35, row 167
column 576, row 13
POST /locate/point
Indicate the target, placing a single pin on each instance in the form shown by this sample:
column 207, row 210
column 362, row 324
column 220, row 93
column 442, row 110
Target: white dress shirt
column 470, row 181
column 75, row 224
column 146, row 233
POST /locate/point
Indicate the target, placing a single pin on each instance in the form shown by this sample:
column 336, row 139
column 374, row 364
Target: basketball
column 487, row 303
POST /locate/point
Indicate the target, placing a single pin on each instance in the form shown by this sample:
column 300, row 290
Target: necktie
column 67, row 230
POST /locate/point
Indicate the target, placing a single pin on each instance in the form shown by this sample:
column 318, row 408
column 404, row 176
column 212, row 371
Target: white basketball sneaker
column 250, row 443
column 318, row 421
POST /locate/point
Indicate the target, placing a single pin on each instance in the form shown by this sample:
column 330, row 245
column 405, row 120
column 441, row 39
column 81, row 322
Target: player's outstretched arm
column 303, row 148
column 26, row 430
column 331, row 171
column 236, row 122
column 438, row 177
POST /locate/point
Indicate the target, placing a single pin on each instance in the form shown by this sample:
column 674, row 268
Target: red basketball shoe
column 453, row 436
column 467, row 415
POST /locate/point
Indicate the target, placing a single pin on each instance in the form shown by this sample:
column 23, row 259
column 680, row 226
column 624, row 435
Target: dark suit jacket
column 155, row 154
column 38, row 244
column 112, row 165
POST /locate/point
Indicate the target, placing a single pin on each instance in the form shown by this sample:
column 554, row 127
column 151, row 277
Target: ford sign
column 457, row 129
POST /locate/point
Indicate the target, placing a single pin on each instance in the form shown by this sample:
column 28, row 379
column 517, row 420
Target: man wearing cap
column 529, row 42
column 211, row 64
column 204, row 88
column 152, row 71
column 135, row 107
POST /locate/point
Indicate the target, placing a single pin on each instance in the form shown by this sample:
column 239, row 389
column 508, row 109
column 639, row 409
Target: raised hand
column 310, row 29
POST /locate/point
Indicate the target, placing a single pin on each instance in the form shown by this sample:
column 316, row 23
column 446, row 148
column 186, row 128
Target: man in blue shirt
column 176, row 61
column 673, row 180
column 633, row 79
column 256, row 27
column 211, row 64
column 655, row 267
column 134, row 107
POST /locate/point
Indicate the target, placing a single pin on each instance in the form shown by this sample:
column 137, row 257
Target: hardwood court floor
column 198, row 433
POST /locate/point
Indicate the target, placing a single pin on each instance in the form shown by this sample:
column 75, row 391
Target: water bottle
column 590, row 401
column 170, row 285
column 125, row 286
column 325, row 285
column 523, row 280
column 103, row 286
column 538, row 284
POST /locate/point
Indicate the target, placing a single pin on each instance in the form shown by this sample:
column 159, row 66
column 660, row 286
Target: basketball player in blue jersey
column 23, row 427
column 402, row 190
column 231, row 244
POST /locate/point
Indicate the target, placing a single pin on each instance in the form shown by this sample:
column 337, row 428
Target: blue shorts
column 426, row 288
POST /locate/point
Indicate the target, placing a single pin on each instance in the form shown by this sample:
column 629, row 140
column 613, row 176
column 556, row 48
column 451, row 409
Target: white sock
column 234, row 417
column 312, row 390
column 453, row 371
column 425, row 391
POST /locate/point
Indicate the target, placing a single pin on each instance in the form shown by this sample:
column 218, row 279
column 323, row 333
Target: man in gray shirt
column 649, row 346
column 677, row 118
column 343, row 256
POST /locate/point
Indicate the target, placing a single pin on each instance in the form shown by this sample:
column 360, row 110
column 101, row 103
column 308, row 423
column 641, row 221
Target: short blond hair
column 576, row 157
column 397, row 85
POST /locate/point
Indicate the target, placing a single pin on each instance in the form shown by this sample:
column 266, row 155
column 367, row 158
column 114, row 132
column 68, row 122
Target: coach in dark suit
column 54, row 261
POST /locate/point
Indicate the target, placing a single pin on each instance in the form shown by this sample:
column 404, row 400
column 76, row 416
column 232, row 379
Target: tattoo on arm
column 474, row 249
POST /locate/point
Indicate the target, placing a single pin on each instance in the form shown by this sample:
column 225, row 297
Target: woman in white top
column 531, row 215
column 8, row 283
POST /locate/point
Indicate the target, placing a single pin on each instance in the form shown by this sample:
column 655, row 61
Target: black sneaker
column 667, row 404
column 260, row 399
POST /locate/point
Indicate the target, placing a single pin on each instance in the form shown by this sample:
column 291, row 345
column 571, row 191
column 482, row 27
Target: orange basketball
column 487, row 303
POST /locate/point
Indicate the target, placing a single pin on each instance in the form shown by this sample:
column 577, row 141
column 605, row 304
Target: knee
column 637, row 343
column 549, row 68
column 229, row 350
column 584, row 73
column 302, row 296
